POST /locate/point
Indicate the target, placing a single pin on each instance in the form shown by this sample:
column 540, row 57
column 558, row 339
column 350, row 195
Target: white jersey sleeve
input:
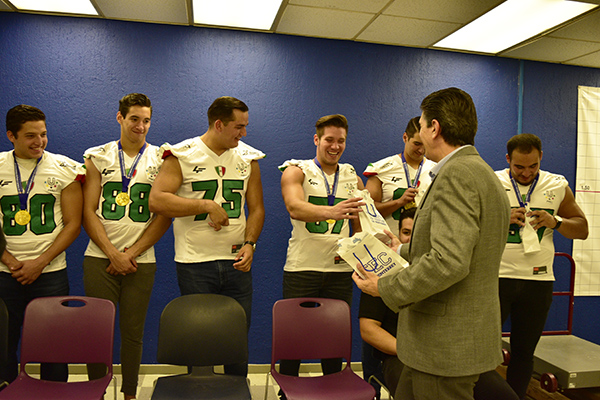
column 25, row 242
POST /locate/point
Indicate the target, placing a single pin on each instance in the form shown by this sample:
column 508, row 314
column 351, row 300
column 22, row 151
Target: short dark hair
column 412, row 127
column 133, row 99
column 222, row 109
column 455, row 111
column 337, row 120
column 524, row 143
column 407, row 213
column 18, row 115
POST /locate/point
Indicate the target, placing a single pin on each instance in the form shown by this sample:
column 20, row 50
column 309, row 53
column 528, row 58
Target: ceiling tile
column 463, row 11
column 172, row 11
column 371, row 6
column 319, row 22
column 553, row 50
column 3, row 6
column 587, row 28
column 591, row 60
column 406, row 31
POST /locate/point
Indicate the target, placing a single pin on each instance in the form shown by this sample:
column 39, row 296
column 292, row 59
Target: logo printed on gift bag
column 378, row 264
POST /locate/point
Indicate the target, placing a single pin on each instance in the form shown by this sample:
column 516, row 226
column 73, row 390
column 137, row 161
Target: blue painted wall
column 76, row 69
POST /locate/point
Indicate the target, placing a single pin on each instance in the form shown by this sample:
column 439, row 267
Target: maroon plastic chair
column 80, row 332
column 315, row 328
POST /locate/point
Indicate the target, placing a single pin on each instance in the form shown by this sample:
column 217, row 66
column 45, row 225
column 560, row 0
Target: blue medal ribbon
column 518, row 192
column 330, row 193
column 24, row 191
column 126, row 177
column 410, row 183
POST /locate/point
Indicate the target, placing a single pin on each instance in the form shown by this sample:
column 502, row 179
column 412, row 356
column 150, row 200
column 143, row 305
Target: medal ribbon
column 330, row 193
column 518, row 192
column 126, row 177
column 408, row 181
column 24, row 192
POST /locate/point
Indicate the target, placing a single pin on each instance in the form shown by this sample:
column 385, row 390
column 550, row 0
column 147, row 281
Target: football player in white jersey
column 119, row 263
column 40, row 206
column 399, row 182
column 545, row 201
column 205, row 183
column 318, row 196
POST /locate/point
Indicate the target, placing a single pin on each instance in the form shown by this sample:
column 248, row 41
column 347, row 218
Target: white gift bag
column 371, row 221
column 529, row 236
column 374, row 256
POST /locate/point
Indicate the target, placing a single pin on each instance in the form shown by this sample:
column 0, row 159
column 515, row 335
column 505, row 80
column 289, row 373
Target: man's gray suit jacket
column 449, row 312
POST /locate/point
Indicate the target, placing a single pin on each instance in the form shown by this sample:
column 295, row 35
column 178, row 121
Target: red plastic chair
column 315, row 328
column 54, row 332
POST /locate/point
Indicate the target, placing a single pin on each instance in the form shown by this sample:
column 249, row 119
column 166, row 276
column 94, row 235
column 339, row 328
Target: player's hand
column 347, row 209
column 121, row 264
column 394, row 242
column 408, row 196
column 28, row 272
column 541, row 218
column 368, row 284
column 517, row 216
column 218, row 217
column 244, row 258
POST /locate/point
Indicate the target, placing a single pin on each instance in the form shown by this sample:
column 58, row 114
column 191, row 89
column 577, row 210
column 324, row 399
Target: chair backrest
column 3, row 332
column 311, row 328
column 68, row 329
column 203, row 330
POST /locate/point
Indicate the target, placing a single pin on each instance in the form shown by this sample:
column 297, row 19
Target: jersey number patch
column 138, row 208
column 233, row 199
column 41, row 207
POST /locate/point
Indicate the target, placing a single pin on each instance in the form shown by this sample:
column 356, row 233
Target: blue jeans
column 16, row 297
column 219, row 277
column 329, row 285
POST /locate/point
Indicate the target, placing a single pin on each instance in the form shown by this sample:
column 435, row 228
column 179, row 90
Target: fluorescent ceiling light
column 512, row 22
column 255, row 14
column 61, row 6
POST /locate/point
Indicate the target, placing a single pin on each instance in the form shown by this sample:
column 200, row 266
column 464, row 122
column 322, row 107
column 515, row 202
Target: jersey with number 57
column 221, row 178
column 54, row 173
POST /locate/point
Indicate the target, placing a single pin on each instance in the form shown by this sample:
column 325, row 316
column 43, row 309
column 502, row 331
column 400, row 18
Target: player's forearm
column 152, row 234
column 63, row 240
column 171, row 205
column 574, row 228
column 95, row 230
column 254, row 224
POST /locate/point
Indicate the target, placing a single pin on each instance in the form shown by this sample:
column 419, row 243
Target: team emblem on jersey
column 350, row 188
column 396, row 179
column 220, row 170
column 242, row 168
column 51, row 184
column 151, row 172
column 549, row 195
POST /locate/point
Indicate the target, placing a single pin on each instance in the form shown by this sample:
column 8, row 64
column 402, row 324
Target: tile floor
column 149, row 373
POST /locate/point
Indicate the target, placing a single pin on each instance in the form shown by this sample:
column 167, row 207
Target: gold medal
column 22, row 217
column 330, row 221
column 122, row 199
column 410, row 205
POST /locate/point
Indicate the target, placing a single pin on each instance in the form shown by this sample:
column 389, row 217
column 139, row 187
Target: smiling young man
column 545, row 201
column 204, row 184
column 119, row 263
column 41, row 201
column 399, row 182
column 317, row 194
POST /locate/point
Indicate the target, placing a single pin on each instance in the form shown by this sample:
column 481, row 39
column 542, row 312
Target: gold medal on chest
column 22, row 217
column 122, row 199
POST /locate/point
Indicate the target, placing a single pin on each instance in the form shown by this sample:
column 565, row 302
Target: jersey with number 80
column 54, row 173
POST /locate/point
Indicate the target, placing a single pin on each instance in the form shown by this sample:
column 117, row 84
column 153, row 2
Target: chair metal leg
column 373, row 377
column 114, row 378
column 267, row 385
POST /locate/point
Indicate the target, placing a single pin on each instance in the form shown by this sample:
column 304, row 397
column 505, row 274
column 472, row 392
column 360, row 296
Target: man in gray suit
column 449, row 313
